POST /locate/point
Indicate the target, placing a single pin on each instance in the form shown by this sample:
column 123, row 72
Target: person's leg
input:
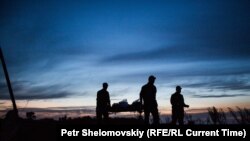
column 98, row 116
column 181, row 119
column 155, row 114
column 174, row 117
column 106, row 115
column 146, row 115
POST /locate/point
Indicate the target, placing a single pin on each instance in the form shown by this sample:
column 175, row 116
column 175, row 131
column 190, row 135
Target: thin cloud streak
column 219, row 96
column 231, row 84
column 26, row 91
column 184, row 53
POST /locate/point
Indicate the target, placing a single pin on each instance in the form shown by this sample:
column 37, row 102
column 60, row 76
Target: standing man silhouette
column 148, row 100
column 178, row 105
column 103, row 103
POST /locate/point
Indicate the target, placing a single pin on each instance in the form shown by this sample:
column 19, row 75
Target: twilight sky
column 59, row 53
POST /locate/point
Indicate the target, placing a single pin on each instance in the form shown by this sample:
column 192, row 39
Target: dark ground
column 50, row 130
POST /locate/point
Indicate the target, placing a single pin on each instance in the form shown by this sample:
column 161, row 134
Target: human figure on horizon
column 103, row 103
column 148, row 100
column 178, row 105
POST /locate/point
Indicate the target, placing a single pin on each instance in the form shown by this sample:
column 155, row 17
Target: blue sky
column 60, row 52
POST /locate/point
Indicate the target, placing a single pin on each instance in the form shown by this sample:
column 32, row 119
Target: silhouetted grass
column 240, row 115
column 217, row 116
column 243, row 116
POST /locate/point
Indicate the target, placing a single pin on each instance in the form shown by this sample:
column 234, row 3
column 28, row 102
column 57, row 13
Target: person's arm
column 183, row 103
column 171, row 100
column 109, row 105
column 97, row 98
column 141, row 93
column 155, row 91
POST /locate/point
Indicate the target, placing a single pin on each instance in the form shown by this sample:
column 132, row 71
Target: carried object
column 123, row 106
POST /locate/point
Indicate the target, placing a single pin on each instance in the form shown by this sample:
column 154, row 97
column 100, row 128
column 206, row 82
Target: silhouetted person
column 148, row 99
column 178, row 105
column 103, row 103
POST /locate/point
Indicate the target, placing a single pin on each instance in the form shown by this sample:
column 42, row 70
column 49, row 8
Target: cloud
column 219, row 96
column 213, row 75
column 23, row 91
column 52, row 95
column 78, row 109
column 182, row 53
column 223, row 84
column 192, row 40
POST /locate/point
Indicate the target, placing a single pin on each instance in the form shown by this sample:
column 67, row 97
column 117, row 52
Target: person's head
column 151, row 79
column 105, row 85
column 178, row 89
